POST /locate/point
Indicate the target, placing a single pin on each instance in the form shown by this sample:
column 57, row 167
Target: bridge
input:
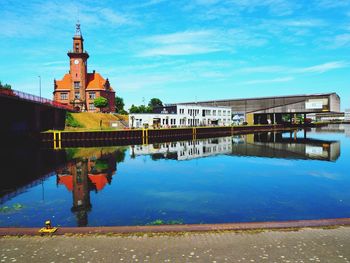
column 23, row 114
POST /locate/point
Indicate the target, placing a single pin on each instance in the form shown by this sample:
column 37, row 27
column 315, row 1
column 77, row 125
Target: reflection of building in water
column 264, row 144
column 84, row 175
column 335, row 128
column 184, row 150
column 278, row 145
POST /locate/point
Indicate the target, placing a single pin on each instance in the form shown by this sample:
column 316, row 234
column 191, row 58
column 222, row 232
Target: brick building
column 80, row 88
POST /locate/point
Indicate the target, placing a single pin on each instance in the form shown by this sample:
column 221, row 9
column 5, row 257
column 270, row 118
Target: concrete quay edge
column 32, row 231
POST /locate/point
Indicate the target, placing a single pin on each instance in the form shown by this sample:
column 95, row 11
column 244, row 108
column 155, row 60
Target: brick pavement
column 305, row 245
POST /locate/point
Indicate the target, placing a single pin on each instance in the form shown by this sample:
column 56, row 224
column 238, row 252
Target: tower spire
column 77, row 29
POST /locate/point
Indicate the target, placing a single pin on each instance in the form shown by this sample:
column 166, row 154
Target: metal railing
column 33, row 98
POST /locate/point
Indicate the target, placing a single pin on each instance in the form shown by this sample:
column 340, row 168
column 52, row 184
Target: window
column 64, row 96
column 76, row 84
column 77, row 95
column 214, row 112
column 91, row 106
column 76, row 47
column 92, row 95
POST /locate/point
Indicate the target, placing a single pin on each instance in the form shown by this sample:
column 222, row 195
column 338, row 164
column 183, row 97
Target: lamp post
column 39, row 87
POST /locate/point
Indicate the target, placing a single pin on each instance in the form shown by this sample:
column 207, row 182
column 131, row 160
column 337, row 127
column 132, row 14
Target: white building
column 347, row 115
column 185, row 150
column 182, row 116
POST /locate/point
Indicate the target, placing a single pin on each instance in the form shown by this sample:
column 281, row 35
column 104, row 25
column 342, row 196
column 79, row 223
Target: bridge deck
column 19, row 95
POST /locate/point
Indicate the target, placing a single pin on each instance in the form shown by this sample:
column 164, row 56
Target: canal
column 266, row 176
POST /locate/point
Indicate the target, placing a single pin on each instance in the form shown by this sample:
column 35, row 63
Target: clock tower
column 78, row 69
column 78, row 88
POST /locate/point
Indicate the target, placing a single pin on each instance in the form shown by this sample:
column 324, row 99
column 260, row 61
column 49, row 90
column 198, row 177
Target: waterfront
column 243, row 178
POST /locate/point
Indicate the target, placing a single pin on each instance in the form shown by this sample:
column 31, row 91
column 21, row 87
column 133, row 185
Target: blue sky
column 183, row 50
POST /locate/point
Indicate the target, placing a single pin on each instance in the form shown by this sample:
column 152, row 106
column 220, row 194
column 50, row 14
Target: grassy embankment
column 91, row 121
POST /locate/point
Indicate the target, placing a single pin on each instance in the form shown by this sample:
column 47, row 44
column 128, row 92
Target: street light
column 39, row 87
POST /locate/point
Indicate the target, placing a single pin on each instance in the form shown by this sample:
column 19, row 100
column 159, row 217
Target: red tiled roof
column 65, row 83
column 99, row 180
column 96, row 82
column 66, row 180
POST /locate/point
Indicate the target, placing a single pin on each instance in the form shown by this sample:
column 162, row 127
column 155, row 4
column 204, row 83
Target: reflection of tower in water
column 84, row 175
column 81, row 192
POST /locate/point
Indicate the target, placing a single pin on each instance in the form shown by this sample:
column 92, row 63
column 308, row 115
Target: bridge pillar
column 59, row 119
column 36, row 119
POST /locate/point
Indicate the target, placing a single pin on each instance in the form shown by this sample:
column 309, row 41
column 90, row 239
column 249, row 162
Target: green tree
column 143, row 109
column 140, row 109
column 119, row 105
column 134, row 109
column 6, row 86
column 100, row 102
column 123, row 112
column 155, row 102
column 120, row 155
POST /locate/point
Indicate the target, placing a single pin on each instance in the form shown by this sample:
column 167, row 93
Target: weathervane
column 77, row 31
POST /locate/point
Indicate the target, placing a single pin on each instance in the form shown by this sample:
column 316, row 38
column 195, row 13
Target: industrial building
column 278, row 110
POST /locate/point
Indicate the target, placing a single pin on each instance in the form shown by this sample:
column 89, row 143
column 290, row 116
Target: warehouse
column 280, row 109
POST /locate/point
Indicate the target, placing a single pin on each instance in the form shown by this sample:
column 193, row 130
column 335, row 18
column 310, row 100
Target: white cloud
column 263, row 69
column 199, row 42
column 182, row 43
column 53, row 63
column 178, row 50
column 206, row 2
column 264, row 81
column 39, row 18
column 276, row 7
column 322, row 68
column 147, row 4
column 182, row 37
column 333, row 3
column 304, row 23
column 341, row 41
column 115, row 18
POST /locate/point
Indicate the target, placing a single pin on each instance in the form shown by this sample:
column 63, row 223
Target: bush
column 71, row 122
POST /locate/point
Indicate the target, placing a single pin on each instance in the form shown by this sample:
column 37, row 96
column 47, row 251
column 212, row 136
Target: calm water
column 256, row 177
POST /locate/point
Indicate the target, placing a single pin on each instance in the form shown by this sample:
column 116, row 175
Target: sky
column 183, row 50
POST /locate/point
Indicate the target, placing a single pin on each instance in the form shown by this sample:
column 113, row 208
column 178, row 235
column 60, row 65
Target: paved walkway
column 307, row 245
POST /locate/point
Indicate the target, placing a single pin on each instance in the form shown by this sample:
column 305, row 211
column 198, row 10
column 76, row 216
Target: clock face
column 76, row 62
